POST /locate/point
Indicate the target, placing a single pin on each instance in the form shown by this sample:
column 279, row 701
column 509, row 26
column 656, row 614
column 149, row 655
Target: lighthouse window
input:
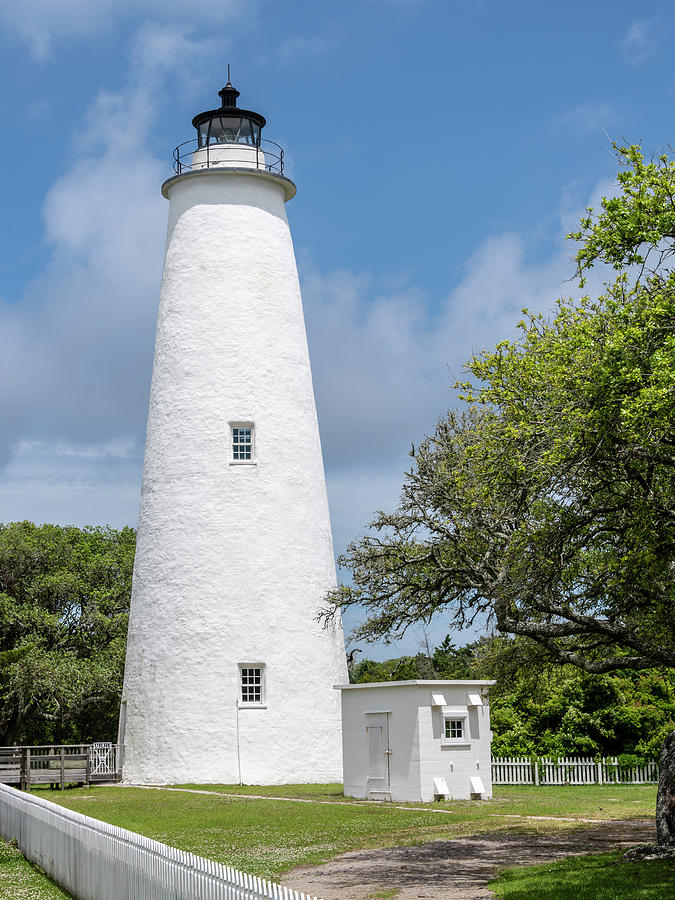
column 242, row 443
column 251, row 687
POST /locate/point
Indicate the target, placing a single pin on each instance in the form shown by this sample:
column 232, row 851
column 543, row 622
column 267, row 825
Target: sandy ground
column 459, row 869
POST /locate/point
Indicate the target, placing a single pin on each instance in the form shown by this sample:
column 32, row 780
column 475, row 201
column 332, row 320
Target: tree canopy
column 445, row 661
column 64, row 602
column 539, row 708
column 546, row 503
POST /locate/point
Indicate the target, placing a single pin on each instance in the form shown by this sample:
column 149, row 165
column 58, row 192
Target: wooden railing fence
column 89, row 858
column 58, row 764
column 570, row 770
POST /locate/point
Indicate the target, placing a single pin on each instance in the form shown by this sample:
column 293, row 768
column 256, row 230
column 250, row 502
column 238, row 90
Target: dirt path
column 459, row 869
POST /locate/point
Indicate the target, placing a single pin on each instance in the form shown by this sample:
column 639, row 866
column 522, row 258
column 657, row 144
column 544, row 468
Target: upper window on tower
column 242, row 443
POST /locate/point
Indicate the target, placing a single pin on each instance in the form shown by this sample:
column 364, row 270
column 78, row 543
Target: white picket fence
column 570, row 770
column 91, row 859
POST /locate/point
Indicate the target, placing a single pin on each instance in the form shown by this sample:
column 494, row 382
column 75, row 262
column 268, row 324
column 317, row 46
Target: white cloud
column 119, row 448
column 642, row 40
column 74, row 358
column 73, row 489
column 587, row 118
column 40, row 23
column 384, row 362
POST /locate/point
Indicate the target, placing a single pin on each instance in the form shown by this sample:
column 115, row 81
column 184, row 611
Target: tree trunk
column 665, row 796
column 10, row 733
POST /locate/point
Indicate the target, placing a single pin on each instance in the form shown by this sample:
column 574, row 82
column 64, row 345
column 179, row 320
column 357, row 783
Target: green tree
column 64, row 602
column 446, row 661
column 539, row 707
column 547, row 503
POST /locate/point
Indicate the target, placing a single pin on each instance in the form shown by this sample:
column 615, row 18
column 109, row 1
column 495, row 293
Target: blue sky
column 441, row 148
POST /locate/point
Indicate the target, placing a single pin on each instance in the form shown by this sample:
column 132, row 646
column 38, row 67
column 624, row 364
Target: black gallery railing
column 190, row 156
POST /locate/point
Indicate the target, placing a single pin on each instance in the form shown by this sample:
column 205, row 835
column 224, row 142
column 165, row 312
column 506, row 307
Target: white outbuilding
column 416, row 740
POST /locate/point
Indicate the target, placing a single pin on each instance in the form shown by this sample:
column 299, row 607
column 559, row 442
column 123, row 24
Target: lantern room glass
column 229, row 130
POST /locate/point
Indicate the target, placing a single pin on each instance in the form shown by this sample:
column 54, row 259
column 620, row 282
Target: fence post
column 27, row 768
column 63, row 767
column 22, row 770
column 600, row 771
column 88, row 767
column 535, row 770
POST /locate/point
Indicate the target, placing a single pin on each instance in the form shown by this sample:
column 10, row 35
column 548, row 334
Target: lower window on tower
column 242, row 443
column 251, row 684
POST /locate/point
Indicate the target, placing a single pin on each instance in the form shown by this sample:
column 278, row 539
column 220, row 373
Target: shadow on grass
column 604, row 876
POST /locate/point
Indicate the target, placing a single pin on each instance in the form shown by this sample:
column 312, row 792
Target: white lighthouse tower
column 228, row 676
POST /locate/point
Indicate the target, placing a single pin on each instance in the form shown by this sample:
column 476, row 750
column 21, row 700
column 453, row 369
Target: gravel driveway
column 459, row 869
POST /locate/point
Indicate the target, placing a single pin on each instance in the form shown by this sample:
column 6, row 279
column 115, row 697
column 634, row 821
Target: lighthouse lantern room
column 229, row 136
column 229, row 124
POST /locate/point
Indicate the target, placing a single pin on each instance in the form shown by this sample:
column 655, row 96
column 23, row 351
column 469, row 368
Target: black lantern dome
column 229, row 124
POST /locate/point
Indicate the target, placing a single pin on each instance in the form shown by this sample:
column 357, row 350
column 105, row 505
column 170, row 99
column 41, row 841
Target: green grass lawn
column 19, row 880
column 604, row 876
column 269, row 837
column 592, row 801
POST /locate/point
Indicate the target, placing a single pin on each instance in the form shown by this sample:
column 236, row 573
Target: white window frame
column 242, row 462
column 456, row 714
column 251, row 704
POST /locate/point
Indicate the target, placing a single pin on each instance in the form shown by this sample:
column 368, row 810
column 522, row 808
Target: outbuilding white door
column 377, row 731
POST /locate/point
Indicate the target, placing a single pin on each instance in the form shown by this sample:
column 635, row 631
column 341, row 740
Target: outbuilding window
column 455, row 726
column 454, row 729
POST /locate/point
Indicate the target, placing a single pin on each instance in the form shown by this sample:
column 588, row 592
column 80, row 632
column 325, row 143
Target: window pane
column 251, row 685
column 454, row 728
column 242, row 443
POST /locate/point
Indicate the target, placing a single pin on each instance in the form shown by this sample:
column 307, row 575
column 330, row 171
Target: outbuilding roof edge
column 423, row 683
